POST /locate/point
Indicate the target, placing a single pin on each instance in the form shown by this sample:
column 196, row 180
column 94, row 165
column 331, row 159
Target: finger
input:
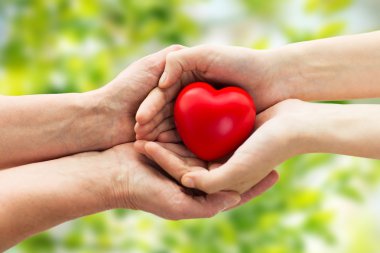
column 210, row 181
column 164, row 52
column 199, row 180
column 164, row 126
column 169, row 161
column 180, row 62
column 158, row 97
column 178, row 149
column 166, row 112
column 155, row 102
column 170, row 136
column 259, row 188
column 209, row 206
column 157, row 60
column 234, row 177
column 139, row 146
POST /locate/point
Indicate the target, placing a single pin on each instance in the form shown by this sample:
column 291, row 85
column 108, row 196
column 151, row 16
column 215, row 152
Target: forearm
column 40, row 127
column 38, row 196
column 331, row 69
column 341, row 129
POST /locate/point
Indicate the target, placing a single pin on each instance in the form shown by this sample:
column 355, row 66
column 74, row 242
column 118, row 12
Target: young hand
column 275, row 139
column 177, row 161
column 123, row 95
column 290, row 128
column 254, row 71
column 326, row 69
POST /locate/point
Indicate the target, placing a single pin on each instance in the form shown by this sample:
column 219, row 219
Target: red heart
column 213, row 123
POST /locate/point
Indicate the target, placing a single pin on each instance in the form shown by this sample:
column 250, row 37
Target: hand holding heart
column 155, row 115
column 283, row 128
column 250, row 169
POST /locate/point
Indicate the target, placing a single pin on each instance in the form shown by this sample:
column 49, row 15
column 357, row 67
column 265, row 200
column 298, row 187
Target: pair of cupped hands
column 157, row 172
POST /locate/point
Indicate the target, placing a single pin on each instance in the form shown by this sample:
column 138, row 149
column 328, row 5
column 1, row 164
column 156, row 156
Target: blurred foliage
column 73, row 46
column 63, row 46
column 326, row 6
column 265, row 9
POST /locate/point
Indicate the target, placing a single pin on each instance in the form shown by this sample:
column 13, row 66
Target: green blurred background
column 323, row 203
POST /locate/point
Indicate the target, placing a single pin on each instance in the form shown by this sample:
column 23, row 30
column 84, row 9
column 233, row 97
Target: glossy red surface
column 213, row 123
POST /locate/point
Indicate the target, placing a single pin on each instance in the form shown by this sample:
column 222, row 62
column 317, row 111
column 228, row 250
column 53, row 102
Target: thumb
column 209, row 181
column 177, row 63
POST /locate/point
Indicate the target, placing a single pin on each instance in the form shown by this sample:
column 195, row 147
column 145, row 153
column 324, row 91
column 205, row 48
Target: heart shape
column 213, row 123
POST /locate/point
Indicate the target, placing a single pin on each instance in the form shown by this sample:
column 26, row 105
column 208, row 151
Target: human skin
column 42, row 127
column 289, row 128
column 178, row 161
column 40, row 195
column 37, row 196
column 336, row 68
column 329, row 69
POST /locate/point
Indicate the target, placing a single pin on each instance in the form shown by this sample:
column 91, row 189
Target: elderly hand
column 137, row 183
column 122, row 96
column 254, row 71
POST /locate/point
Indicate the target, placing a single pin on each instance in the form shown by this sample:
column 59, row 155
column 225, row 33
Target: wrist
column 298, row 123
column 272, row 82
column 112, row 125
column 117, row 191
column 317, row 128
column 54, row 191
column 286, row 71
column 97, row 175
column 88, row 177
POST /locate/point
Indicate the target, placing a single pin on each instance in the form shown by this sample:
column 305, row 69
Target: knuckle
column 148, row 60
column 167, row 96
column 183, row 169
column 157, row 119
column 162, row 137
column 206, row 48
column 175, row 47
column 171, row 57
column 168, row 109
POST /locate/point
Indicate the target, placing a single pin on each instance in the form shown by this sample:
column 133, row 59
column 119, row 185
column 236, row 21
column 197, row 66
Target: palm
column 178, row 161
column 144, row 187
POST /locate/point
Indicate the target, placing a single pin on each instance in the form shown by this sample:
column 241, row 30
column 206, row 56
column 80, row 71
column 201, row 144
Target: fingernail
column 163, row 78
column 188, row 182
column 230, row 202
